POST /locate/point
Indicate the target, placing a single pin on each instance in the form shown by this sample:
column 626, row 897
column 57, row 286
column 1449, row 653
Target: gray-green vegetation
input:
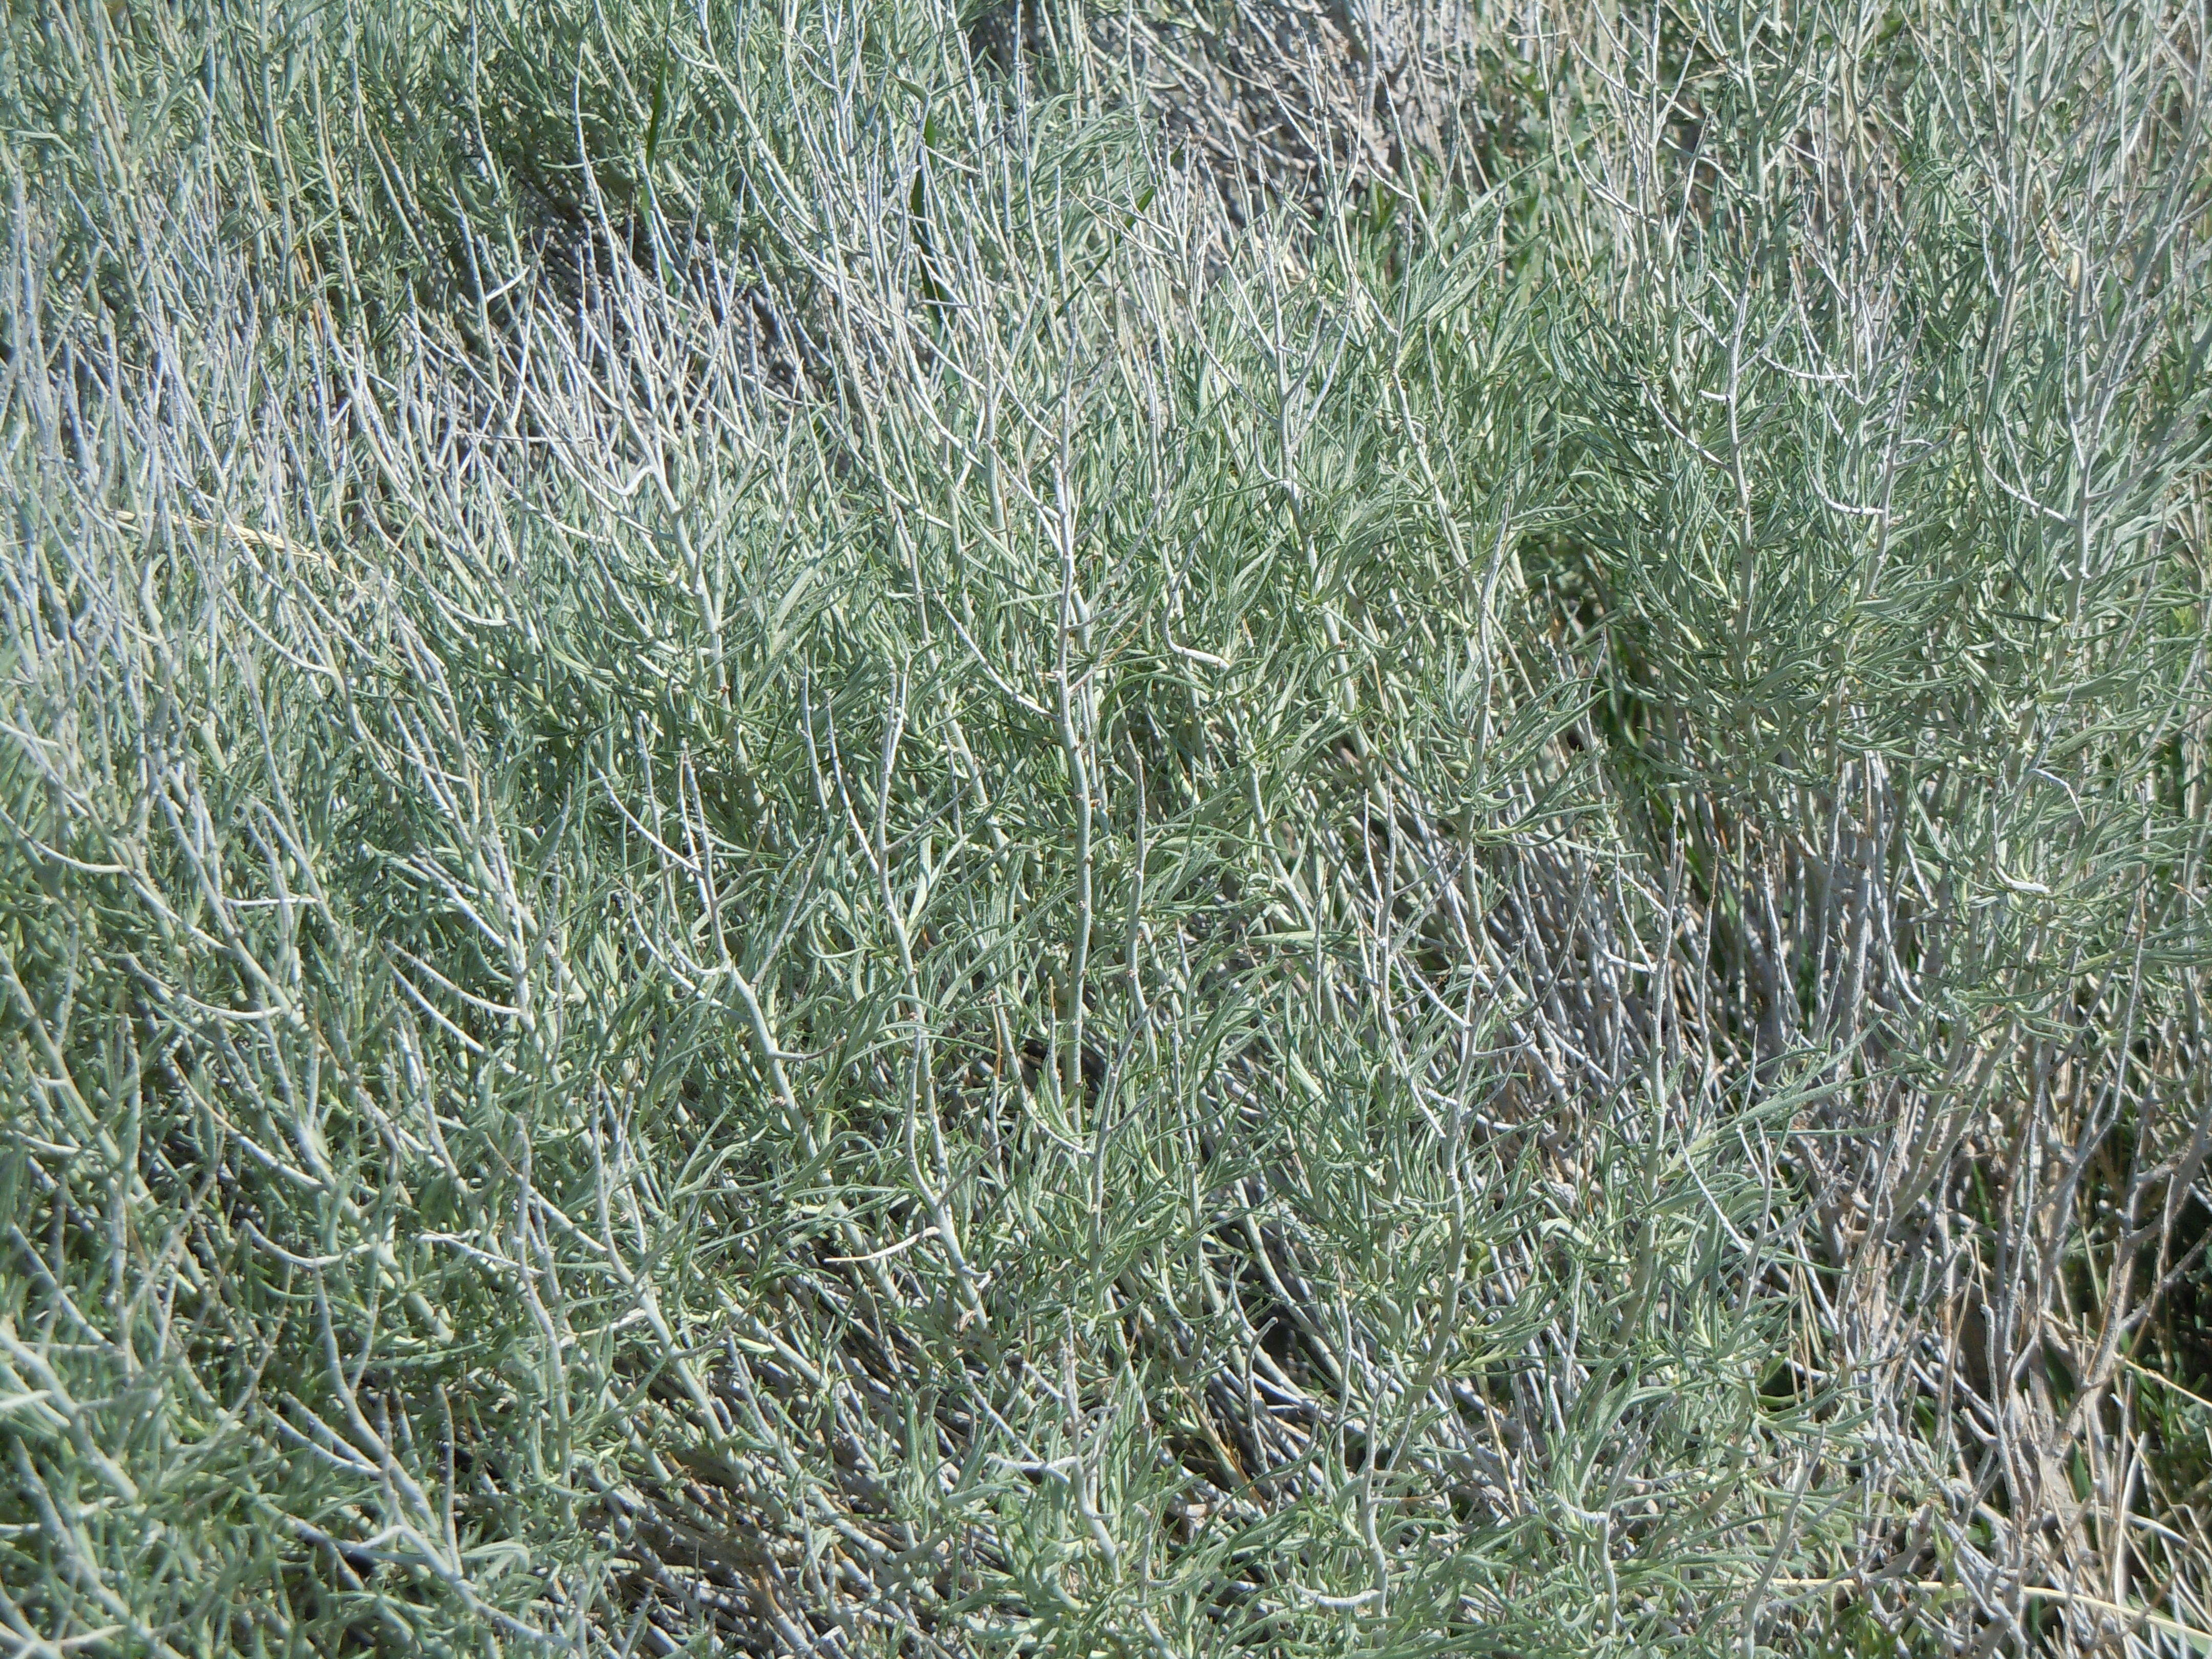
column 840, row 829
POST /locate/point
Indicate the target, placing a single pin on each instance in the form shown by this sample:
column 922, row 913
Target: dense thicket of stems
column 840, row 828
